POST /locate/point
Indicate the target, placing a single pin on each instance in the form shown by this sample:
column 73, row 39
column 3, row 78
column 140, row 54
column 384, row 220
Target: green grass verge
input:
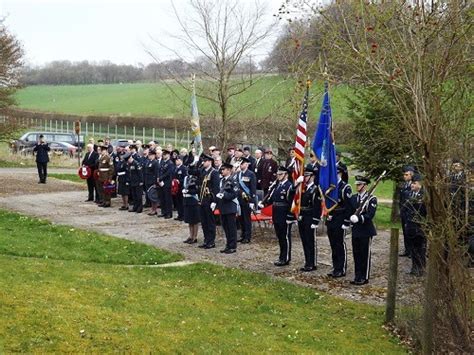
column 31, row 237
column 155, row 99
column 68, row 177
column 63, row 306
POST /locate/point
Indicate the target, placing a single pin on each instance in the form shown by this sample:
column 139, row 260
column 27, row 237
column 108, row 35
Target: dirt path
column 62, row 202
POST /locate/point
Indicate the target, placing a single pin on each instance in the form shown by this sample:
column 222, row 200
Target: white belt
column 121, row 173
column 104, row 169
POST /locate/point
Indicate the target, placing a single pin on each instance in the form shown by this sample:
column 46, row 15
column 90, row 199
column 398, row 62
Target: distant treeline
column 81, row 73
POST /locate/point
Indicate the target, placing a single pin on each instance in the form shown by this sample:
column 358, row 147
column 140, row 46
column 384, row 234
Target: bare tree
column 11, row 54
column 222, row 33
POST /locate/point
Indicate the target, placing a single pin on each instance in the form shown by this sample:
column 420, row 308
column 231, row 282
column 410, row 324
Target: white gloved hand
column 299, row 180
column 184, row 191
column 314, row 226
column 260, row 205
column 252, row 206
column 289, row 221
column 300, row 218
column 213, row 206
column 196, row 159
column 220, row 195
column 161, row 184
column 345, row 227
column 354, row 218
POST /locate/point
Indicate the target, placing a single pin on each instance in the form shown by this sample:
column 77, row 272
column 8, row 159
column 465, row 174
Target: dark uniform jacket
column 415, row 213
column 341, row 214
column 228, row 203
column 166, row 171
column 365, row 226
column 134, row 174
column 208, row 185
column 404, row 193
column 311, row 203
column 191, row 191
column 122, row 176
column 180, row 173
column 247, row 184
column 253, row 163
column 41, row 150
column 150, row 172
column 269, row 169
column 258, row 169
column 281, row 198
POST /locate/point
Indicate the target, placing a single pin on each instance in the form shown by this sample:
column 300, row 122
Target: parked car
column 29, row 139
column 57, row 148
column 120, row 143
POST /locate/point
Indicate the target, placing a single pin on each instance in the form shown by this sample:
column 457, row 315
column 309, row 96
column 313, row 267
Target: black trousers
column 338, row 249
column 245, row 221
column 230, row 230
column 42, row 171
column 308, row 240
column 91, row 187
column 418, row 251
column 167, row 201
column 208, row 223
column 137, row 193
column 361, row 250
column 407, row 241
column 179, row 204
column 283, row 232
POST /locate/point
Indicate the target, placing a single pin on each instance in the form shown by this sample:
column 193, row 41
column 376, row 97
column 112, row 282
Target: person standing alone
column 42, row 158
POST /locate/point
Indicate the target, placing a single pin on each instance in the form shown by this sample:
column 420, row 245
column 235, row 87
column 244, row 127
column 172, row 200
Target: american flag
column 298, row 166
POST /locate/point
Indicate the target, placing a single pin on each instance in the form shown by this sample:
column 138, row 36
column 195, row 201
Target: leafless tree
column 223, row 34
column 11, row 54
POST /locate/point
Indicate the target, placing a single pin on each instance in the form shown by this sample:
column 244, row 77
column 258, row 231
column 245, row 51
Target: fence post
column 62, row 126
column 392, row 277
column 67, row 126
column 175, row 137
column 153, row 133
column 125, row 131
column 116, row 132
column 87, row 129
column 100, row 129
column 164, row 137
column 189, row 142
column 143, row 135
column 108, row 130
column 93, row 130
column 55, row 125
column 50, row 125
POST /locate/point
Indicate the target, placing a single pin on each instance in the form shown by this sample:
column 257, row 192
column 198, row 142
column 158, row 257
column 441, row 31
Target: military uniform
column 165, row 176
column 150, row 176
column 122, row 178
column 135, row 179
column 180, row 173
column 209, row 188
column 334, row 222
column 191, row 209
column 227, row 203
column 106, row 172
column 415, row 214
column 281, row 198
column 403, row 195
column 363, row 230
column 308, row 220
column 247, row 183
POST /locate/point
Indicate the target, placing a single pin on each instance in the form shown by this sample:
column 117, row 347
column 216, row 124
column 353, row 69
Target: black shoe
column 152, row 213
column 106, row 205
column 202, row 246
column 229, row 251
column 404, row 254
column 123, row 208
column 178, row 219
column 281, row 263
column 359, row 282
column 161, row 215
column 139, row 211
column 132, row 210
column 210, row 246
column 168, row 217
column 308, row 268
column 245, row 241
column 338, row 274
column 89, row 200
column 240, row 240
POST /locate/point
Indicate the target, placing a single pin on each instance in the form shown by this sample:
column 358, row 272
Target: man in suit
column 42, row 158
column 227, row 203
column 258, row 167
column 90, row 160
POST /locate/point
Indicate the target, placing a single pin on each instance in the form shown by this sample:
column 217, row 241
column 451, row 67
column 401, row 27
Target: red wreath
column 84, row 172
column 109, row 187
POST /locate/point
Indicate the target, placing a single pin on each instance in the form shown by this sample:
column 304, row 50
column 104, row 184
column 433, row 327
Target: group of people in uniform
column 208, row 190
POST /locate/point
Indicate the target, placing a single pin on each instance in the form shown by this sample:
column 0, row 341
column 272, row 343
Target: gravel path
column 62, row 202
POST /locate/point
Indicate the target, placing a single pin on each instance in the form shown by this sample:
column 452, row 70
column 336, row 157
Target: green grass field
column 74, row 304
column 147, row 99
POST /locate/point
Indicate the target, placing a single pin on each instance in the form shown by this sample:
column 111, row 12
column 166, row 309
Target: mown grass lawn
column 75, row 305
column 156, row 99
column 67, row 177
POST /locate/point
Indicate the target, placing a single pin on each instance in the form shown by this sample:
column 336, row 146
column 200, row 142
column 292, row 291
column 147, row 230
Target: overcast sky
column 115, row 30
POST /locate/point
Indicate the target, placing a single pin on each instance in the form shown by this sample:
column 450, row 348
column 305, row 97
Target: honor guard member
column 164, row 182
column 280, row 196
column 338, row 217
column 150, row 178
column 363, row 229
column 192, row 214
column 247, row 183
column 106, row 172
column 135, row 179
column 228, row 203
column 209, row 188
column 404, row 194
column 115, row 156
column 90, row 160
column 122, row 180
column 180, row 172
column 308, row 220
column 415, row 217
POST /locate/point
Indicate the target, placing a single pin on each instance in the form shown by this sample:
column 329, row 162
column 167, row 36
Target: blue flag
column 325, row 150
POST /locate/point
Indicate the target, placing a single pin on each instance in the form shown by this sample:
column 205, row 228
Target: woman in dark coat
column 123, row 183
column 191, row 207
